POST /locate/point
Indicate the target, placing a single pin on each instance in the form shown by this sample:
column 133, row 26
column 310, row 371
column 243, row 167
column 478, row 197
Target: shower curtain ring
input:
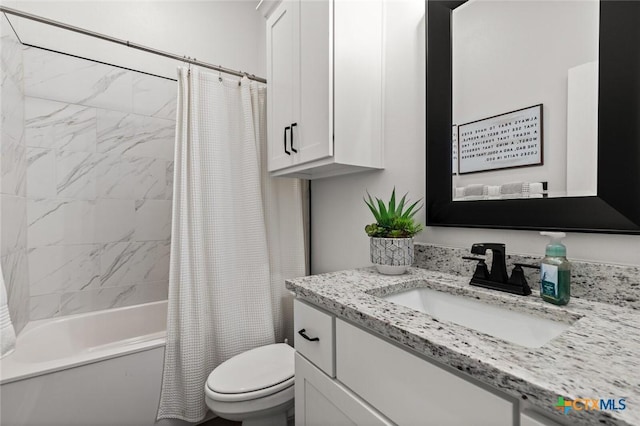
column 220, row 73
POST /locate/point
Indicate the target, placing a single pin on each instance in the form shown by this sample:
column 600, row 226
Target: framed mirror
column 616, row 206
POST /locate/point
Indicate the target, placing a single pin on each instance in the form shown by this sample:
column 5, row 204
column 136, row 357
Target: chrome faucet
column 497, row 278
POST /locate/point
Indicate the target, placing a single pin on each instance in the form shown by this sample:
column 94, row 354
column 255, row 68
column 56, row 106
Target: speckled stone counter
column 600, row 282
column 597, row 357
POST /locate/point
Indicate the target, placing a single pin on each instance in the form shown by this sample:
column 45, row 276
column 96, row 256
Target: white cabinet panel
column 358, row 81
column 314, row 131
column 530, row 418
column 410, row 390
column 325, row 77
column 282, row 25
column 322, row 401
column 316, row 325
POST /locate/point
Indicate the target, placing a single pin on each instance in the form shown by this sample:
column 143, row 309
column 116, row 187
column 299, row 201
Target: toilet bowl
column 254, row 387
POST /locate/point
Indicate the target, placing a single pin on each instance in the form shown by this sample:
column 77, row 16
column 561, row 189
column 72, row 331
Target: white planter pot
column 391, row 256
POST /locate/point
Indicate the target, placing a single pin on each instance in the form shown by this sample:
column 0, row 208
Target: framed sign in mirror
column 616, row 207
column 505, row 141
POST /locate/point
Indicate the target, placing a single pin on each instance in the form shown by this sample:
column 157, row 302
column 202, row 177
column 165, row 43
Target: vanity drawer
column 315, row 324
column 410, row 390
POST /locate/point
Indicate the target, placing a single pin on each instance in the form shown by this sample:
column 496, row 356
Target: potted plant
column 392, row 233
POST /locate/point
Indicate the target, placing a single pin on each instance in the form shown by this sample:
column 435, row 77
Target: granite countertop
column 597, row 357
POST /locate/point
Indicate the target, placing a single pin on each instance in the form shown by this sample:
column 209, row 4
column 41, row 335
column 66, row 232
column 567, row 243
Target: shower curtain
column 236, row 236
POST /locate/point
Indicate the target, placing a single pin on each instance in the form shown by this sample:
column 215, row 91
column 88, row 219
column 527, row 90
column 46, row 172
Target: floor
column 222, row 422
column 218, row 421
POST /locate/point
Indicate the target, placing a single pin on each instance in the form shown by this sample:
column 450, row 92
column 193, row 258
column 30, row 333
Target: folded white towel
column 493, row 190
column 513, row 188
column 474, row 190
column 536, row 188
column 7, row 333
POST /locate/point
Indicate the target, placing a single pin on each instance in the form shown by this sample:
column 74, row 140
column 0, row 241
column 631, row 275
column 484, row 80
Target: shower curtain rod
column 186, row 59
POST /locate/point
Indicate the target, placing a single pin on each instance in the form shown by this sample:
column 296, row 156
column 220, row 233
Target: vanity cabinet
column 324, row 73
column 377, row 382
column 322, row 401
column 531, row 418
column 410, row 390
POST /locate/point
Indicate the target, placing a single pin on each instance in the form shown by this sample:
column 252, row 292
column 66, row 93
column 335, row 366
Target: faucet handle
column 527, row 265
column 517, row 277
column 481, row 268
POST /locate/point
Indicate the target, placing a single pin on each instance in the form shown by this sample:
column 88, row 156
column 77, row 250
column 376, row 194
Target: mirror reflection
column 525, row 99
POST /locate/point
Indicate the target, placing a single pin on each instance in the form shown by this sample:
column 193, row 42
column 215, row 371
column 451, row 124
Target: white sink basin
column 515, row 327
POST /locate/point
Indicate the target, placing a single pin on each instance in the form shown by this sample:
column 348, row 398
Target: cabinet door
column 530, row 418
column 358, row 82
column 321, row 401
column 414, row 391
column 282, row 75
column 313, row 135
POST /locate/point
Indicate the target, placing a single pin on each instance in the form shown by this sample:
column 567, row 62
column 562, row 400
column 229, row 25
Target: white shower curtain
column 236, row 235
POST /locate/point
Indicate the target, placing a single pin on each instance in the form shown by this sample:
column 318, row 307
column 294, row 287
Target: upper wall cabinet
column 325, row 78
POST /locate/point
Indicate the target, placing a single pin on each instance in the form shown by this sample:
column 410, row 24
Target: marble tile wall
column 99, row 151
column 13, row 167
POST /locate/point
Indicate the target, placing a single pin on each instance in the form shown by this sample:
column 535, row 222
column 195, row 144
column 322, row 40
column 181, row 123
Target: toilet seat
column 279, row 402
column 246, row 396
column 254, row 374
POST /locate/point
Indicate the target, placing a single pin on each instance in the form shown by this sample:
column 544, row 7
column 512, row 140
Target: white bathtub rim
column 21, row 372
column 32, row 325
column 12, row 370
column 7, row 353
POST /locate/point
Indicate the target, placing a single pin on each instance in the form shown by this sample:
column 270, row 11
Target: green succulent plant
column 392, row 221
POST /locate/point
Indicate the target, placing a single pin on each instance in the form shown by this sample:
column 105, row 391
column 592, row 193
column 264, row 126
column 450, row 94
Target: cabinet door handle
column 285, row 140
column 292, row 126
column 311, row 339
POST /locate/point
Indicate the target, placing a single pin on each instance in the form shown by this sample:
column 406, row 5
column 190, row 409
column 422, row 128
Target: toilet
column 254, row 387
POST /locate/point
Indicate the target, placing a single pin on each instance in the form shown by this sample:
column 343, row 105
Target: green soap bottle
column 555, row 271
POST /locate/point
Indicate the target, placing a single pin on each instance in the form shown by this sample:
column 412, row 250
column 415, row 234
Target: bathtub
column 98, row 368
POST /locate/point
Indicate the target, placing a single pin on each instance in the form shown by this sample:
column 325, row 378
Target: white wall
column 582, row 130
column 338, row 213
column 228, row 33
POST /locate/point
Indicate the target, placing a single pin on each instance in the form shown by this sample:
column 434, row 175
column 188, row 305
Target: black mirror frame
column 616, row 208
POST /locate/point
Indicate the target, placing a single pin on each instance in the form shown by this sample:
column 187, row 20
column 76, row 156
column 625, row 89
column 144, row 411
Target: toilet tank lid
column 253, row 370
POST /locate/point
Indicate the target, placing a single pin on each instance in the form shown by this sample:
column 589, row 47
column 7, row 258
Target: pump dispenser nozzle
column 555, row 247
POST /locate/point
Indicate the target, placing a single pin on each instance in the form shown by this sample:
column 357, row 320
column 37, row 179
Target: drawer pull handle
column 311, row 339
column 292, row 126
column 285, row 140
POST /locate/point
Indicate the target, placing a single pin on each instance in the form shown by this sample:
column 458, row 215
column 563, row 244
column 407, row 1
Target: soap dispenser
column 555, row 271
